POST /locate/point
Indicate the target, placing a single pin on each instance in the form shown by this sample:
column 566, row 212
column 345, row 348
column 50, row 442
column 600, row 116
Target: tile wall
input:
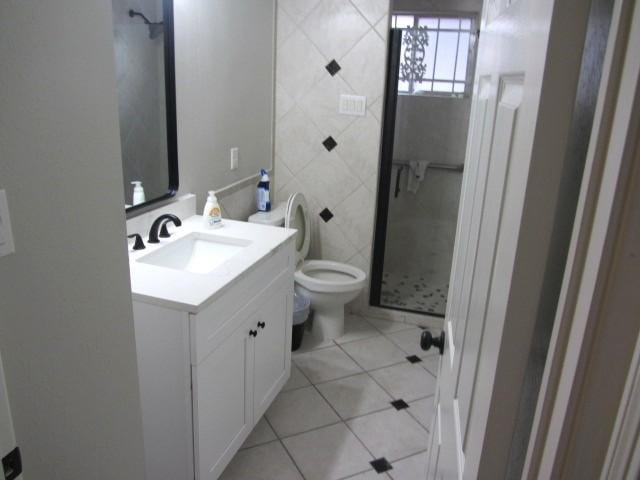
column 326, row 48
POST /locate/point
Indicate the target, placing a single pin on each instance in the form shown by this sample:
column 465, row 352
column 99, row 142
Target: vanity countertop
column 192, row 292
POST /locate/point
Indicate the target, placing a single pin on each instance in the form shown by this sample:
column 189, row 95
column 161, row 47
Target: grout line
column 408, row 410
column 292, row 459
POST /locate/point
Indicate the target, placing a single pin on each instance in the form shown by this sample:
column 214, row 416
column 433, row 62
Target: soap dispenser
column 212, row 214
column 138, row 192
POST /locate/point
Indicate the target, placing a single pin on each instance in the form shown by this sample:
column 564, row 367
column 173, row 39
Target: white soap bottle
column 212, row 215
column 138, row 193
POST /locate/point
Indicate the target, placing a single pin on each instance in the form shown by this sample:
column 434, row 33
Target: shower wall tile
column 297, row 140
column 320, row 105
column 310, row 35
column 284, row 102
column 335, row 26
column 382, row 27
column 298, row 9
column 363, row 63
column 373, row 10
column 328, row 178
column 355, row 215
column 285, row 25
column 359, row 146
column 299, row 64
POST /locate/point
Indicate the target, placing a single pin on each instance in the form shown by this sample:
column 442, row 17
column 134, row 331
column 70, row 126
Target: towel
column 415, row 174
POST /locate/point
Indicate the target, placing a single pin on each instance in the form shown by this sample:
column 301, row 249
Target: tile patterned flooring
column 334, row 416
column 413, row 293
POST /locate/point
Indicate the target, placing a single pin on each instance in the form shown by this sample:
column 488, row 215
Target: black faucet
column 155, row 226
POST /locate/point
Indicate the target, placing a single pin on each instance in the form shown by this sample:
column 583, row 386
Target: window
column 449, row 55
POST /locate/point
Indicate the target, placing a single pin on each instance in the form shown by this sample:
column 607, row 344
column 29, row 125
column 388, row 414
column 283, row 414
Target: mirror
column 144, row 60
column 198, row 77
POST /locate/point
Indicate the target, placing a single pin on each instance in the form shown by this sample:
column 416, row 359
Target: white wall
column 66, row 323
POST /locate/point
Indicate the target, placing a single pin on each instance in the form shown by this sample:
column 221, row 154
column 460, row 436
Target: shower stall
column 426, row 117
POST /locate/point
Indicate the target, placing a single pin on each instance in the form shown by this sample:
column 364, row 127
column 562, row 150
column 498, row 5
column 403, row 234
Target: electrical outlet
column 6, row 236
column 235, row 153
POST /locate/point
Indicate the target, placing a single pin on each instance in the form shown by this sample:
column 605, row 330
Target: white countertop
column 191, row 292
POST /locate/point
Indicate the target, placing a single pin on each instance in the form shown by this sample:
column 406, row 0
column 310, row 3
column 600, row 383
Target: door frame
column 596, row 330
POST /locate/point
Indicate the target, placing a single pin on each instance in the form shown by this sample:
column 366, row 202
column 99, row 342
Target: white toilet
column 329, row 285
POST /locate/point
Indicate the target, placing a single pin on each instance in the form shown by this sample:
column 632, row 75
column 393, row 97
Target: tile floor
column 335, row 415
column 417, row 293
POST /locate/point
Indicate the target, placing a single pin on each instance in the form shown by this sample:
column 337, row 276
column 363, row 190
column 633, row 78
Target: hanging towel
column 415, row 174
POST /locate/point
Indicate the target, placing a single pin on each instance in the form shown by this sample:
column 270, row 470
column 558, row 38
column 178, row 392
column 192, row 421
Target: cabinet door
column 222, row 402
column 272, row 346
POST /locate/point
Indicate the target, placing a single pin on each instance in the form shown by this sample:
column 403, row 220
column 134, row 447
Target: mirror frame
column 170, row 100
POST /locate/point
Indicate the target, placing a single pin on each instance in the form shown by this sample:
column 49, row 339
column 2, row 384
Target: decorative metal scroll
column 413, row 66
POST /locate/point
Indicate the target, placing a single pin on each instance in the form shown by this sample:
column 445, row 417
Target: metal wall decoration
column 413, row 66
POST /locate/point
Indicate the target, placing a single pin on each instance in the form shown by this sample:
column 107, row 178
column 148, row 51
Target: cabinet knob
column 261, row 324
column 253, row 333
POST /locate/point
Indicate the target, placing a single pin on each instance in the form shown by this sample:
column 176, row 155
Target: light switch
column 353, row 105
column 234, row 157
column 6, row 236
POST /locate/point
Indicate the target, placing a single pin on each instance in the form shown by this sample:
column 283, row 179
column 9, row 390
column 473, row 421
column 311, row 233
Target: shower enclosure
column 427, row 108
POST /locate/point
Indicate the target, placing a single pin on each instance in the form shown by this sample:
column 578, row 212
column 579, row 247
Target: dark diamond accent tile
column 414, row 359
column 329, row 143
column 333, row 67
column 381, row 465
column 326, row 215
column 400, row 404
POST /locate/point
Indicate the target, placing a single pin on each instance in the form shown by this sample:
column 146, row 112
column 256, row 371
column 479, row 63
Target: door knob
column 253, row 333
column 427, row 341
column 261, row 324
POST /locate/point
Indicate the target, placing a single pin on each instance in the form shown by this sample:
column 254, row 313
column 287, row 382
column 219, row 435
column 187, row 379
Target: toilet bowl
column 329, row 285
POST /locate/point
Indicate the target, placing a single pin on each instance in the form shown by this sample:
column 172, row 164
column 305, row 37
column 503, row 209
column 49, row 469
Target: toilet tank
column 274, row 217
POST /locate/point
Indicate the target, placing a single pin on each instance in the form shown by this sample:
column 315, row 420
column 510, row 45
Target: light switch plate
column 235, row 153
column 353, row 105
column 6, row 235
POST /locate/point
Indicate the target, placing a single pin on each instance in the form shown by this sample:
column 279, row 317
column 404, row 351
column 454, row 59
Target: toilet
column 329, row 285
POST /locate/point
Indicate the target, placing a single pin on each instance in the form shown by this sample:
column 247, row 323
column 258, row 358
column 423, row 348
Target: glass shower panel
column 422, row 161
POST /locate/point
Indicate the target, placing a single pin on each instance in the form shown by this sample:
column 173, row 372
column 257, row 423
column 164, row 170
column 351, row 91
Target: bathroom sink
column 196, row 252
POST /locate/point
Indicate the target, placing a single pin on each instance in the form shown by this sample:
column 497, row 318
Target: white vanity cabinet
column 206, row 378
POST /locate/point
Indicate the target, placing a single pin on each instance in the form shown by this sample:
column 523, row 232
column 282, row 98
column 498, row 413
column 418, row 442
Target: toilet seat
column 297, row 217
column 330, row 277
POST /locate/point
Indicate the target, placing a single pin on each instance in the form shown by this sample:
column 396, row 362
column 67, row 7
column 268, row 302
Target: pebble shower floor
column 414, row 292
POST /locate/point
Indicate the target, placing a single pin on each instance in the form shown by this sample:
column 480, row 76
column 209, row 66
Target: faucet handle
column 164, row 232
column 138, row 244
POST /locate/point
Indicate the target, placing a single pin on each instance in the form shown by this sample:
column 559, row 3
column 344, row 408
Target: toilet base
column 328, row 322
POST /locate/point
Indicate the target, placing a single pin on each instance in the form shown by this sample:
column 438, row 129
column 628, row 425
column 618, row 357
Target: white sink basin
column 196, row 253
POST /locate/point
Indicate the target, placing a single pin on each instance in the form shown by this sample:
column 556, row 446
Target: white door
column 223, row 415
column 496, row 208
column 272, row 347
column 7, row 437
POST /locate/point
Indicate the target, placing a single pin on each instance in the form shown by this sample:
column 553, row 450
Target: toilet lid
column 297, row 216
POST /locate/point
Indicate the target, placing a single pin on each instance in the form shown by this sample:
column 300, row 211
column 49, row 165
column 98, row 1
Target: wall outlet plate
column 6, row 235
column 235, row 153
column 355, row 105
